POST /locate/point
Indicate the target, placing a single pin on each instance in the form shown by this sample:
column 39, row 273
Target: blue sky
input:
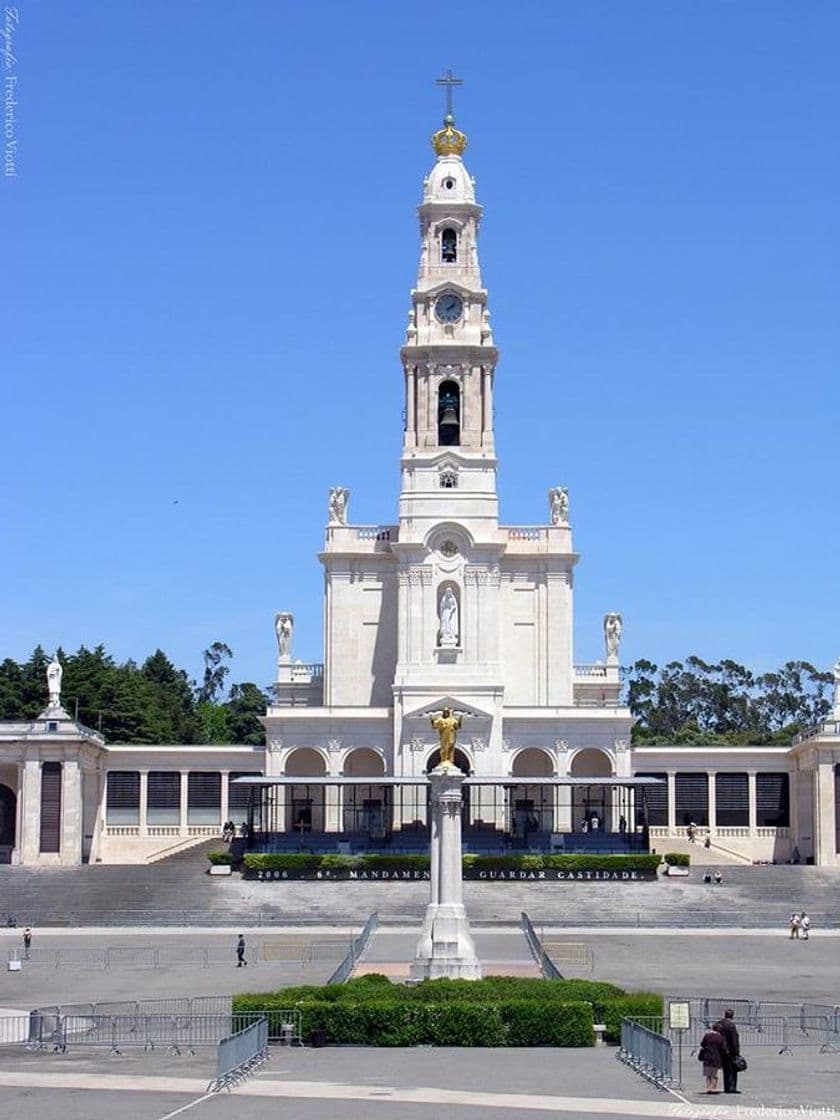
column 209, row 248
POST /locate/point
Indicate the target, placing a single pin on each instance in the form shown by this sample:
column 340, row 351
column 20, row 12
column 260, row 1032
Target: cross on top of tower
column 449, row 141
column 448, row 81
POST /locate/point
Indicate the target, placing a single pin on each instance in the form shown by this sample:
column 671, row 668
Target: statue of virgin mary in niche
column 448, row 618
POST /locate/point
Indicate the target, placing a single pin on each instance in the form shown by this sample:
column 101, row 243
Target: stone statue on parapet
column 54, row 675
column 612, row 634
column 284, row 625
column 558, row 505
column 339, row 497
column 447, row 723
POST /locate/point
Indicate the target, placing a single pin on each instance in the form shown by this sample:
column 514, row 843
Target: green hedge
column 634, row 1005
column 220, row 859
column 308, row 862
column 495, row 1011
column 677, row 859
column 400, row 1022
column 489, row 990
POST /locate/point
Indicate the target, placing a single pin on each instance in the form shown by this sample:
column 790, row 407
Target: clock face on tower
column 448, row 307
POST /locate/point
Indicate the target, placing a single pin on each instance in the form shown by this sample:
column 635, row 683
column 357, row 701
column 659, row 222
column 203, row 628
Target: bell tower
column 449, row 360
column 449, row 548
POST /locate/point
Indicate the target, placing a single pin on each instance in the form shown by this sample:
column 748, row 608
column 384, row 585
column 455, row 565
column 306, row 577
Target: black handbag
column 739, row 1064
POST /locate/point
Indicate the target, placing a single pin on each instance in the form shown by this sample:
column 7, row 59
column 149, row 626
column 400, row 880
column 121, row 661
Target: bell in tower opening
column 449, row 414
column 449, row 246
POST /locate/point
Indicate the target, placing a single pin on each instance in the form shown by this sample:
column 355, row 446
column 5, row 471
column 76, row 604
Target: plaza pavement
column 425, row 1082
column 738, row 964
column 395, row 1084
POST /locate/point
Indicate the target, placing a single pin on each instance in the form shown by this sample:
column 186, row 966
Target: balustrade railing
column 599, row 671
column 827, row 727
column 524, row 533
column 375, row 532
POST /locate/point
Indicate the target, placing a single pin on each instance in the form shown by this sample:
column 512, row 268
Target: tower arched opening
column 449, row 414
column 449, row 245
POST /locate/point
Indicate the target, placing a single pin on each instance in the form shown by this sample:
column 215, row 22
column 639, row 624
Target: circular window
column 449, row 184
column 449, row 548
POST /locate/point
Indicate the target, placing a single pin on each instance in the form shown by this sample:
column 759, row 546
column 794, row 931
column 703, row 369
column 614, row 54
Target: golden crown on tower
column 448, row 141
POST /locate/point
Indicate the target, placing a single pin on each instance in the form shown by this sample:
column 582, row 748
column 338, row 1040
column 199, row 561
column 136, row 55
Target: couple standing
column 720, row 1049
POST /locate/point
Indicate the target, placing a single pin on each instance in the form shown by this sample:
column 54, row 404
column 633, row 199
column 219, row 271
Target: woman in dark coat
column 713, row 1053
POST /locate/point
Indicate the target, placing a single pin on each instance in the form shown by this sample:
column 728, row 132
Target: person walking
column 804, row 925
column 794, row 926
column 712, row 1053
column 27, row 942
column 726, row 1027
column 240, row 951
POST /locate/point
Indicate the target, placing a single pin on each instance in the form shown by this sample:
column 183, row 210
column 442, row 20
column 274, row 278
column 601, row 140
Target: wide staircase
column 178, row 892
column 114, row 893
column 701, row 856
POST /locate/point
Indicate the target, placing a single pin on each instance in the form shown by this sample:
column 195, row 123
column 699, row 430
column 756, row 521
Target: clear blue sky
column 209, row 248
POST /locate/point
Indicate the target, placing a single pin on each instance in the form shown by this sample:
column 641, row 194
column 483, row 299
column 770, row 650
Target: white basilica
column 444, row 606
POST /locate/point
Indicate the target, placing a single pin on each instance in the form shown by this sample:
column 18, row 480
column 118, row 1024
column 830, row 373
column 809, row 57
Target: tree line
column 689, row 701
column 693, row 701
column 152, row 702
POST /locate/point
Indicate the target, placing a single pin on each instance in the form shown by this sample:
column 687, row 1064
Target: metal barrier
column 574, row 953
column 767, row 1022
column 213, row 1006
column 285, row 1025
column 547, row 966
column 58, row 1032
column 647, row 1052
column 143, row 957
column 357, row 947
column 239, row 1055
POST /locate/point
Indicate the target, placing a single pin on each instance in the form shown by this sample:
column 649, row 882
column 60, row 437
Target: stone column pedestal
column 445, row 947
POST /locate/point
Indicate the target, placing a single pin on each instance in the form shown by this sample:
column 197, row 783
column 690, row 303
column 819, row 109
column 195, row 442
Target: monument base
column 445, row 947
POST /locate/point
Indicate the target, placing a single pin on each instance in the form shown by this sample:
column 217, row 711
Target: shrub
column 395, row 863
column 340, row 863
column 677, row 859
column 220, row 859
column 279, row 861
column 495, row 1011
column 635, row 1005
column 531, row 1022
column 400, row 1022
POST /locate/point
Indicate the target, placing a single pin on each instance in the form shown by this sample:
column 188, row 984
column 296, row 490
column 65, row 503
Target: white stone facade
column 511, row 661
column 442, row 606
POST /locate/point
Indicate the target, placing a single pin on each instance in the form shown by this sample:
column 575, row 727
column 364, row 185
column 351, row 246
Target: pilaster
column 71, row 812
column 672, row 801
column 143, row 821
column 752, row 802
column 185, row 781
column 30, row 842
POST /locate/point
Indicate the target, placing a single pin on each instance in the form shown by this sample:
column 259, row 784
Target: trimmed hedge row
column 398, row 1022
column 496, row 1011
column 278, row 861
